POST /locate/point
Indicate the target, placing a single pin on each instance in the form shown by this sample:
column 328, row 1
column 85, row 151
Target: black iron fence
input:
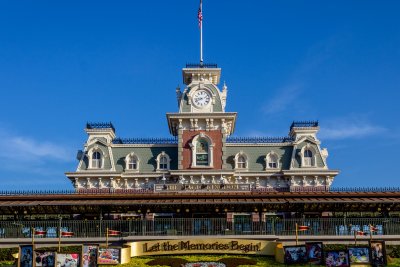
column 208, row 226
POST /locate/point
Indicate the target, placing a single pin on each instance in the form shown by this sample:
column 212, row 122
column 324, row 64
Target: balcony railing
column 259, row 140
column 158, row 141
column 201, row 65
column 304, row 124
column 100, row 125
column 209, row 226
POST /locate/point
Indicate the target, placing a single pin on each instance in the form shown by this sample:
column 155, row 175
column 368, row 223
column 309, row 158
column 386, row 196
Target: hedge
column 6, row 254
column 177, row 262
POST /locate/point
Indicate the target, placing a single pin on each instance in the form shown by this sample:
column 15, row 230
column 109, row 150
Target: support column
column 224, row 165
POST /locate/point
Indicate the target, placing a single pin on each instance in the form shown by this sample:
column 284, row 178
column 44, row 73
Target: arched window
column 272, row 161
column 241, row 161
column 132, row 165
column 308, row 158
column 241, row 164
column 202, row 153
column 163, row 161
column 132, row 162
column 96, row 160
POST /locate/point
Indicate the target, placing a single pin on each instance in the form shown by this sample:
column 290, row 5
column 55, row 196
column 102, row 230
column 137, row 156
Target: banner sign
column 201, row 187
column 215, row 246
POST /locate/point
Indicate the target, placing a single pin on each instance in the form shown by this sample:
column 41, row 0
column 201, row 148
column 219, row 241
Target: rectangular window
column 163, row 166
column 242, row 165
column 242, row 224
column 96, row 163
column 202, row 159
column 132, row 165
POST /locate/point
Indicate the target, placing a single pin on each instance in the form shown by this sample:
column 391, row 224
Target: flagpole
column 370, row 233
column 355, row 237
column 107, row 237
column 59, row 241
column 297, row 234
column 33, row 236
column 201, row 31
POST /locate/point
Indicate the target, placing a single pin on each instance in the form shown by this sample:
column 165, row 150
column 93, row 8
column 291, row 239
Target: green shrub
column 6, row 253
column 173, row 262
column 67, row 249
column 177, row 262
column 393, row 251
column 234, row 262
column 341, row 246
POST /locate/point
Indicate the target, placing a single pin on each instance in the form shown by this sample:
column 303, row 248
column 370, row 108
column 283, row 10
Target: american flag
column 361, row 233
column 373, row 228
column 38, row 232
column 200, row 13
column 303, row 228
column 67, row 233
column 114, row 232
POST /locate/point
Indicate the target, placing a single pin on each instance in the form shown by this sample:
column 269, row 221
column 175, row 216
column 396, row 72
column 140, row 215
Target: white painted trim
column 96, row 140
column 111, row 158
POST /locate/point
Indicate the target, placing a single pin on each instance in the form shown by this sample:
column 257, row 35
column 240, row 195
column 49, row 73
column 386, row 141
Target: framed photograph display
column 89, row 255
column 68, row 260
column 378, row 253
column 25, row 258
column 336, row 258
column 295, row 254
column 44, row 258
column 314, row 252
column 359, row 255
column 109, row 256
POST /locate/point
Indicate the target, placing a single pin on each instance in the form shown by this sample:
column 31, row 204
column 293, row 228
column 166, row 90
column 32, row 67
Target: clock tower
column 201, row 124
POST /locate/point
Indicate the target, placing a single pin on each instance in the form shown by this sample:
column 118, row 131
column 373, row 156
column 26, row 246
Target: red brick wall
column 216, row 137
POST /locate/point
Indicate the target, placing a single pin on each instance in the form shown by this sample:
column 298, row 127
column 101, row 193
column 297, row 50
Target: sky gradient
column 63, row 63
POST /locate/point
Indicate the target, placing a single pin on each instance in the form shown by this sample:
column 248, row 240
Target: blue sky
column 63, row 63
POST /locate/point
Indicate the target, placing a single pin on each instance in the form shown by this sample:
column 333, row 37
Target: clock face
column 201, row 98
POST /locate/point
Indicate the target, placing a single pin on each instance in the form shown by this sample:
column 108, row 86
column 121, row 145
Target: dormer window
column 241, row 161
column 132, row 162
column 272, row 161
column 96, row 160
column 308, row 158
column 132, row 165
column 163, row 161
